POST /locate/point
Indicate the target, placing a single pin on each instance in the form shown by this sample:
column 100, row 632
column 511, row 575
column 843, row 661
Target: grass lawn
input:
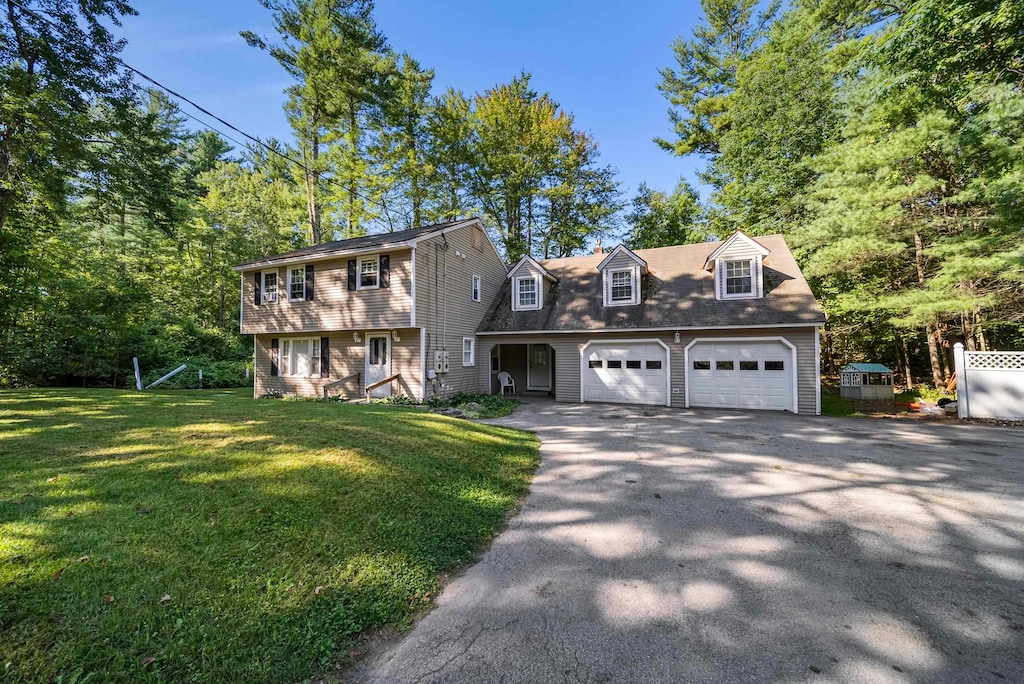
column 189, row 536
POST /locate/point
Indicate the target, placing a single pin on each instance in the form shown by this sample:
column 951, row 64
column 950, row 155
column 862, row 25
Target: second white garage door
column 625, row 372
column 753, row 375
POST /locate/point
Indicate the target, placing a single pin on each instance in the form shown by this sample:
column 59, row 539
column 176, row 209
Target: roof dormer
column 621, row 272
column 737, row 266
column 528, row 278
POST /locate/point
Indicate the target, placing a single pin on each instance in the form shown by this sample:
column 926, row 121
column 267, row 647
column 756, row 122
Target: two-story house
column 433, row 310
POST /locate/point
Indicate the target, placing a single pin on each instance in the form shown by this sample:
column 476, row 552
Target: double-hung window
column 468, row 351
column 739, row 280
column 296, row 283
column 369, row 273
column 476, row 288
column 622, row 285
column 300, row 357
column 527, row 296
column 269, row 286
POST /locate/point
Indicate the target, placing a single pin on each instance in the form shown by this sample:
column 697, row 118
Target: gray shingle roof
column 678, row 292
column 359, row 243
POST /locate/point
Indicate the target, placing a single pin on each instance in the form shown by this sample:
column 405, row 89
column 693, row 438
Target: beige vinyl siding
column 568, row 346
column 740, row 249
column 347, row 357
column 526, row 268
column 620, row 261
column 445, row 309
column 334, row 307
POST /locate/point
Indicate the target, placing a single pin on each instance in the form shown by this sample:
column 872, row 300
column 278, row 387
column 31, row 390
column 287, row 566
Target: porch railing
column 338, row 383
column 385, row 381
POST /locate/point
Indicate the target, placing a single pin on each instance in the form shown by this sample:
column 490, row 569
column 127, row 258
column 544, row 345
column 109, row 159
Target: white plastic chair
column 505, row 380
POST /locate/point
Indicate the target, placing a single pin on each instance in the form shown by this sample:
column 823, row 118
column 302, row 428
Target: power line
column 202, row 109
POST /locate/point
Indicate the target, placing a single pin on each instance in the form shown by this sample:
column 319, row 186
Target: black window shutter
column 275, row 353
column 385, row 270
column 351, row 274
column 325, row 357
column 309, row 282
column 259, row 288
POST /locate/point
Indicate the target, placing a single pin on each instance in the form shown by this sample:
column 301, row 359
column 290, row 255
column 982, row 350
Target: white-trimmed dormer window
column 737, row 267
column 526, row 293
column 621, row 286
column 621, row 273
column 739, row 278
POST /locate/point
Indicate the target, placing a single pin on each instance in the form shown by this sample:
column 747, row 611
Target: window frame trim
column 634, row 281
column 277, row 286
column 539, row 291
column 359, row 272
column 472, row 352
column 755, row 278
column 476, row 288
column 285, row 361
column 288, row 279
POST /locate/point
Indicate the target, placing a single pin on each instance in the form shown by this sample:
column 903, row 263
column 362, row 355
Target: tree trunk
column 908, row 375
column 933, row 355
column 313, row 188
column 931, row 329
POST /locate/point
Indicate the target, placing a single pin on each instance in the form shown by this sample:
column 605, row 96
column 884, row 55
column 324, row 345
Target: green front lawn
column 210, row 537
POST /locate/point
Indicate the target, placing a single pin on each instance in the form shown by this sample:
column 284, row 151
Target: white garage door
column 752, row 375
column 625, row 373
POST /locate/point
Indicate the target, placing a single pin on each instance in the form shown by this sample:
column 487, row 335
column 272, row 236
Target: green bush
column 491, row 405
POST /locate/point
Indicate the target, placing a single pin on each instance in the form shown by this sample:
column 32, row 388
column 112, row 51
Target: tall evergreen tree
column 332, row 49
column 699, row 87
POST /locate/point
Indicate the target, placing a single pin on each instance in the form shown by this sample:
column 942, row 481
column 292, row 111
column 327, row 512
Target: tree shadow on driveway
column 662, row 545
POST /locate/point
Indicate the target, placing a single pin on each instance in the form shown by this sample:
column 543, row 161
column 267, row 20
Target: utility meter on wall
column 441, row 361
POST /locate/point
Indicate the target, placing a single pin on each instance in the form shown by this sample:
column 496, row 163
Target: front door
column 538, row 367
column 378, row 363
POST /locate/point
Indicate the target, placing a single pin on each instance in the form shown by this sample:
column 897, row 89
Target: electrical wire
column 179, row 96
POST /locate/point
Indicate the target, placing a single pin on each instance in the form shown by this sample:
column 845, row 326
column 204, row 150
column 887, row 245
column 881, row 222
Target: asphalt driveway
column 700, row 546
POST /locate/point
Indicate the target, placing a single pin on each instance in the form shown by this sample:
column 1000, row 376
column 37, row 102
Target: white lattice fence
column 994, row 360
column 989, row 384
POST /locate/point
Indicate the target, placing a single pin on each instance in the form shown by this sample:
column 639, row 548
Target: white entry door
column 747, row 375
column 625, row 372
column 378, row 363
column 538, row 367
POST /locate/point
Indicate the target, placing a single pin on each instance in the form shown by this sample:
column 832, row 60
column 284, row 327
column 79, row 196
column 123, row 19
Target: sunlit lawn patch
column 185, row 536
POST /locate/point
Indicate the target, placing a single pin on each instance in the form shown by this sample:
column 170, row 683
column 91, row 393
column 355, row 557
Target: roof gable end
column 528, row 263
column 738, row 241
column 624, row 251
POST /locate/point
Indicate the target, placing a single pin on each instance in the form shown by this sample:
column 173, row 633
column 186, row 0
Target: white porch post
column 959, row 366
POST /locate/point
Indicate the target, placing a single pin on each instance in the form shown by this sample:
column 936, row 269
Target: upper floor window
column 369, row 273
column 269, row 286
column 296, row 283
column 476, row 288
column 739, row 278
column 622, row 286
column 527, row 293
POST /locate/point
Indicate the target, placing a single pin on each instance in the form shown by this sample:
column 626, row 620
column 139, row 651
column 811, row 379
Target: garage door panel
column 738, row 375
column 632, row 382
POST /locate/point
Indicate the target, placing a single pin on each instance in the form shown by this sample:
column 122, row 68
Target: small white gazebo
column 866, row 381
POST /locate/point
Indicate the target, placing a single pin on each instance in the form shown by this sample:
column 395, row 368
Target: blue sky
column 599, row 59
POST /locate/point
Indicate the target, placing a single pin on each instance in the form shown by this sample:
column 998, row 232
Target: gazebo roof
column 865, row 368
